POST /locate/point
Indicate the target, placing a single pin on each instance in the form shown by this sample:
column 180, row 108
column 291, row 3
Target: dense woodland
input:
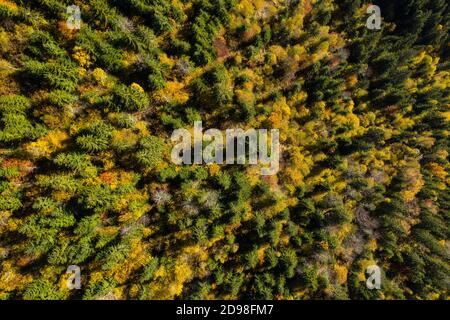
column 86, row 177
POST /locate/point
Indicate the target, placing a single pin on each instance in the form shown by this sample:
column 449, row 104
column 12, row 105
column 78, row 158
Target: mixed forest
column 86, row 177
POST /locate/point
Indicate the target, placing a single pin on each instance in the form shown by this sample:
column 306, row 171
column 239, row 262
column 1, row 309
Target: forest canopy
column 86, row 178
